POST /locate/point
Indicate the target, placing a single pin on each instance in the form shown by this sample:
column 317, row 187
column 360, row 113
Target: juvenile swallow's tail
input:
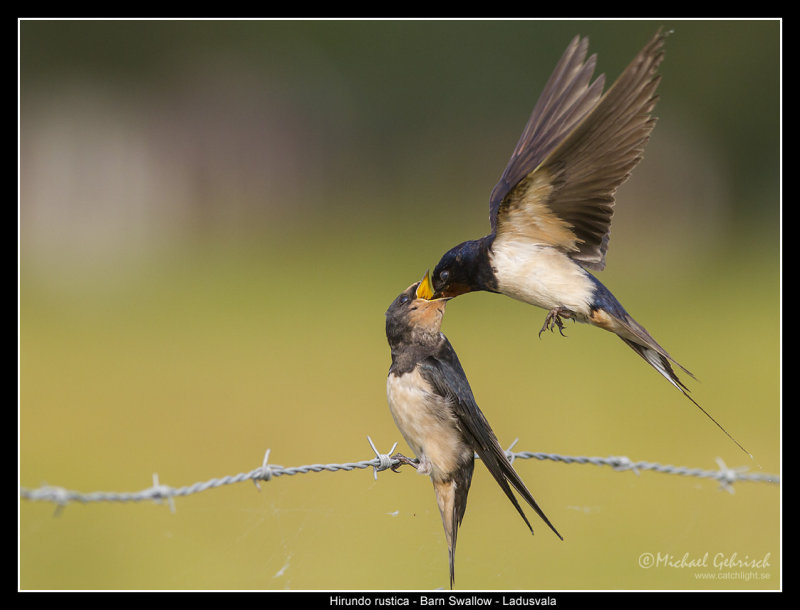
column 451, row 496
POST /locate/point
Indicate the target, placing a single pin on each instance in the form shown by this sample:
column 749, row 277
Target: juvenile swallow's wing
column 446, row 376
column 559, row 190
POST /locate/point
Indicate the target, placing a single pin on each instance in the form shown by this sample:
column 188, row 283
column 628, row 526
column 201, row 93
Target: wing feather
column 566, row 199
column 446, row 376
column 567, row 97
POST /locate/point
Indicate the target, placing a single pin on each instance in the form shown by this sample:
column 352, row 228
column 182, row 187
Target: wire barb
column 622, row 463
column 385, row 460
column 727, row 476
column 160, row 492
column 264, row 473
column 510, row 454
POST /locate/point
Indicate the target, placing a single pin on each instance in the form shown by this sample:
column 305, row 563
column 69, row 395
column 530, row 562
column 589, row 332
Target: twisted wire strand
column 165, row 493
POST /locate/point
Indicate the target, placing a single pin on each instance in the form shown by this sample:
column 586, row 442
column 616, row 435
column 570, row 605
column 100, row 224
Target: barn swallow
column 433, row 406
column 551, row 211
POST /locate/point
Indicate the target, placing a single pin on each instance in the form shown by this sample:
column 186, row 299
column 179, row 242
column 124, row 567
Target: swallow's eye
column 404, row 299
column 444, row 275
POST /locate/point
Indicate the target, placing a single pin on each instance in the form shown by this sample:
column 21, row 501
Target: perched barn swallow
column 433, row 406
column 551, row 210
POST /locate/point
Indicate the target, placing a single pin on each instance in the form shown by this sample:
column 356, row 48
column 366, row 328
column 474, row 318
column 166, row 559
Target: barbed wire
column 158, row 492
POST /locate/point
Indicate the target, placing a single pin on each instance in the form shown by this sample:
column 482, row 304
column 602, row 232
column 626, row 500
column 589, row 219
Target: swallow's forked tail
column 610, row 315
column 660, row 361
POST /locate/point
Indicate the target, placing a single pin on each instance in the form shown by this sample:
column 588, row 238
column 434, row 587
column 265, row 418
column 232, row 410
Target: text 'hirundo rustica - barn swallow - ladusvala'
column 551, row 210
column 433, row 406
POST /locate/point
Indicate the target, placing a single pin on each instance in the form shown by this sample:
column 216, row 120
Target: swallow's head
column 464, row 268
column 415, row 314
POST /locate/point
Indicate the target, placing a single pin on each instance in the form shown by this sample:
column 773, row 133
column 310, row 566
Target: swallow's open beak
column 425, row 288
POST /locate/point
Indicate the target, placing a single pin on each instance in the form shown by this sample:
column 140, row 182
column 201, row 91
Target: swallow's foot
column 553, row 320
column 403, row 461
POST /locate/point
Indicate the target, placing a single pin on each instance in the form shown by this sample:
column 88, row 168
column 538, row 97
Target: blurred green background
column 214, row 216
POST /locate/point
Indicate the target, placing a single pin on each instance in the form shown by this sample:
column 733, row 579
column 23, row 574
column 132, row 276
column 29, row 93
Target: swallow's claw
column 403, row 461
column 553, row 320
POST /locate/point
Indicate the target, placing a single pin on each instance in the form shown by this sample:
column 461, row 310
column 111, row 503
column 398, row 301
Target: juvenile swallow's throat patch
column 426, row 315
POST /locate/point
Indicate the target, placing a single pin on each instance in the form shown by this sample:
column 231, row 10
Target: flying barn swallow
column 433, row 406
column 551, row 210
